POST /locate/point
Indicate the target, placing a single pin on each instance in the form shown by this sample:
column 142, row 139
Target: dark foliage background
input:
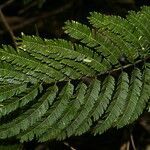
column 46, row 18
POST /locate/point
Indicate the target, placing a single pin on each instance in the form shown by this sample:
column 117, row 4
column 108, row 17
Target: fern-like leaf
column 132, row 98
column 91, row 97
column 14, row 103
column 7, row 91
column 53, row 50
column 120, row 27
column 54, row 89
column 51, row 116
column 102, row 44
column 30, row 117
column 144, row 95
column 104, row 97
column 74, row 106
column 116, row 106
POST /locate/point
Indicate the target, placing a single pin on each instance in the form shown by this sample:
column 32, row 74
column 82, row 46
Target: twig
column 13, row 20
column 67, row 144
column 125, row 146
column 36, row 30
column 7, row 27
column 6, row 4
column 128, row 145
column 132, row 142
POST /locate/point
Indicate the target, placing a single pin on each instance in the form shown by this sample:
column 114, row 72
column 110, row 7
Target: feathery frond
column 116, row 106
column 54, row 89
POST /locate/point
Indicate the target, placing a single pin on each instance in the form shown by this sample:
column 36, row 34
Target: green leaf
column 51, row 116
column 29, row 117
column 116, row 106
column 18, row 101
column 132, row 98
column 57, row 129
column 7, row 91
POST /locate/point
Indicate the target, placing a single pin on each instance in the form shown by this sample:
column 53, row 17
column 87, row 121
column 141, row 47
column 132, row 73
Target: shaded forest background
column 46, row 18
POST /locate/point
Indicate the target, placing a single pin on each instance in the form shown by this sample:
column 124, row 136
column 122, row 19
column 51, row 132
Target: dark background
column 46, row 20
